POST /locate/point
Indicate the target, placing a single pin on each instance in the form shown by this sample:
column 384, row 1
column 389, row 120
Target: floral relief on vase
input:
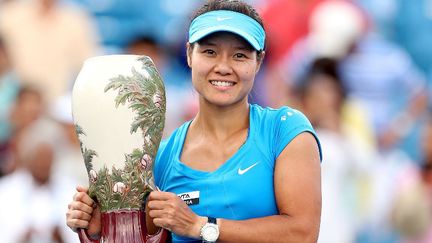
column 124, row 187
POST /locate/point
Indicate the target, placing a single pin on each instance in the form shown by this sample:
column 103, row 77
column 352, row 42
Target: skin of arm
column 297, row 181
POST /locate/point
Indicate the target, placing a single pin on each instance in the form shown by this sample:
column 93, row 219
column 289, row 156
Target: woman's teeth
column 222, row 83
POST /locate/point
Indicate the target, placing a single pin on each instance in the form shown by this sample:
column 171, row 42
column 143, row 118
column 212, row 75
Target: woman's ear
column 189, row 54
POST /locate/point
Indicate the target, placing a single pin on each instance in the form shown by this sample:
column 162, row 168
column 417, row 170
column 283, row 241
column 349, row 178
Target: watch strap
column 211, row 220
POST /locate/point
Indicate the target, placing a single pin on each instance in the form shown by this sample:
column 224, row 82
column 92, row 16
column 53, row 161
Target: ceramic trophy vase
column 118, row 105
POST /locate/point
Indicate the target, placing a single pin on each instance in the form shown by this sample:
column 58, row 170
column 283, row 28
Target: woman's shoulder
column 278, row 127
column 271, row 110
column 269, row 122
column 283, row 114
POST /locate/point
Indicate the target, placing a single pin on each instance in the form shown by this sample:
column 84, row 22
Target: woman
column 237, row 172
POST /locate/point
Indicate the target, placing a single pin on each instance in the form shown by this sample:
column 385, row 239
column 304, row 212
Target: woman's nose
column 223, row 66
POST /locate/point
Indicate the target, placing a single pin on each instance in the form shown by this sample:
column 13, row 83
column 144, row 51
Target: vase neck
column 124, row 226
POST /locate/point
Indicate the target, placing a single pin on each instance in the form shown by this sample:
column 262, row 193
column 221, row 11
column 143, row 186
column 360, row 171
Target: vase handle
column 84, row 237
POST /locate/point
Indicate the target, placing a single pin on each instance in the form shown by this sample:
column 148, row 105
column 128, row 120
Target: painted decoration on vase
column 123, row 184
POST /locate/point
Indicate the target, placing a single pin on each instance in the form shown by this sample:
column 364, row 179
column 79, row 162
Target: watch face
column 210, row 232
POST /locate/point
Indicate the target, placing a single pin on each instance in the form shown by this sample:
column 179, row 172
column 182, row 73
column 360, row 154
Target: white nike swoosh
column 222, row 19
column 241, row 172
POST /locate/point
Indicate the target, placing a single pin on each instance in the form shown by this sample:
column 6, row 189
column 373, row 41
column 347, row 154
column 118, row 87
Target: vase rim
column 113, row 56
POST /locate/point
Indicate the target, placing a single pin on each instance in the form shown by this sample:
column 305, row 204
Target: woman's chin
column 223, row 101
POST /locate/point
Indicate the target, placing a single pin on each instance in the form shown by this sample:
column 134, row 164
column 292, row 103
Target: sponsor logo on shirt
column 190, row 198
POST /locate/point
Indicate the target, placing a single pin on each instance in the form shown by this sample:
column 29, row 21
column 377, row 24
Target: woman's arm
column 297, row 181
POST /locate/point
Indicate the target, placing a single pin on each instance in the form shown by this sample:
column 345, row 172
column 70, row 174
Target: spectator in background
column 8, row 90
column 324, row 102
column 47, row 42
column 333, row 110
column 412, row 214
column 381, row 78
column 377, row 74
column 400, row 21
column 32, row 197
column 176, row 79
column 27, row 108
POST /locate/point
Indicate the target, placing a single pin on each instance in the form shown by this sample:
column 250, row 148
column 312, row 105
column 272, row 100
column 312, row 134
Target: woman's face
column 223, row 68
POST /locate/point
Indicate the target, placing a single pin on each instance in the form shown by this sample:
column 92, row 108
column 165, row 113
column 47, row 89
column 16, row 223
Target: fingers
column 76, row 218
column 162, row 200
column 162, row 207
column 78, row 215
column 80, row 206
column 168, row 211
column 80, row 210
column 84, row 198
column 156, row 204
column 82, row 189
column 162, row 213
column 160, row 195
column 74, row 224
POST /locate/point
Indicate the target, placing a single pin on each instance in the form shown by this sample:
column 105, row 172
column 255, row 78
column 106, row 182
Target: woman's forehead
column 225, row 37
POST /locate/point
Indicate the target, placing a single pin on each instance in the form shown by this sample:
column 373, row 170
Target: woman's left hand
column 170, row 212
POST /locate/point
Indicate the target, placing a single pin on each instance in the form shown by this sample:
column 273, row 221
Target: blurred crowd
column 360, row 70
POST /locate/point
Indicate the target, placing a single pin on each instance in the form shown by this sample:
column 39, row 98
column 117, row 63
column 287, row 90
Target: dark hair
column 327, row 67
column 143, row 39
column 231, row 5
column 426, row 166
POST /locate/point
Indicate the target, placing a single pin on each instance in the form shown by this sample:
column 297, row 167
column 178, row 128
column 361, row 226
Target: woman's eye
column 209, row 52
column 240, row 55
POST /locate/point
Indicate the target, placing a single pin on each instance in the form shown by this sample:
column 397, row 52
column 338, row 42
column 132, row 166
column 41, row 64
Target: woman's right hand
column 83, row 212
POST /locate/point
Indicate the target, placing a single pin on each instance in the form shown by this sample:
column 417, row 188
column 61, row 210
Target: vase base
column 124, row 226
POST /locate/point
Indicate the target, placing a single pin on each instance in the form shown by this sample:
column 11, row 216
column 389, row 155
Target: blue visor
column 230, row 21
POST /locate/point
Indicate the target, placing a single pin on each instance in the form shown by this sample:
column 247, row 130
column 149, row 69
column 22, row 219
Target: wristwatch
column 210, row 231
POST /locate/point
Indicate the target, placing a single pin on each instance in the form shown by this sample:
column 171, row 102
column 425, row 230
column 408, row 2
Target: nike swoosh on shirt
column 241, row 172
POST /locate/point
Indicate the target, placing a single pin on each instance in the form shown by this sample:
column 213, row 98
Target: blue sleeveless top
column 242, row 187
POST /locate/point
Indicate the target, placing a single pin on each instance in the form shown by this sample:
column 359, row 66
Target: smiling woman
column 223, row 68
column 237, row 172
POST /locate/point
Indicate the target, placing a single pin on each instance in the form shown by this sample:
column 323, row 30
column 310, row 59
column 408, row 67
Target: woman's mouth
column 222, row 83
